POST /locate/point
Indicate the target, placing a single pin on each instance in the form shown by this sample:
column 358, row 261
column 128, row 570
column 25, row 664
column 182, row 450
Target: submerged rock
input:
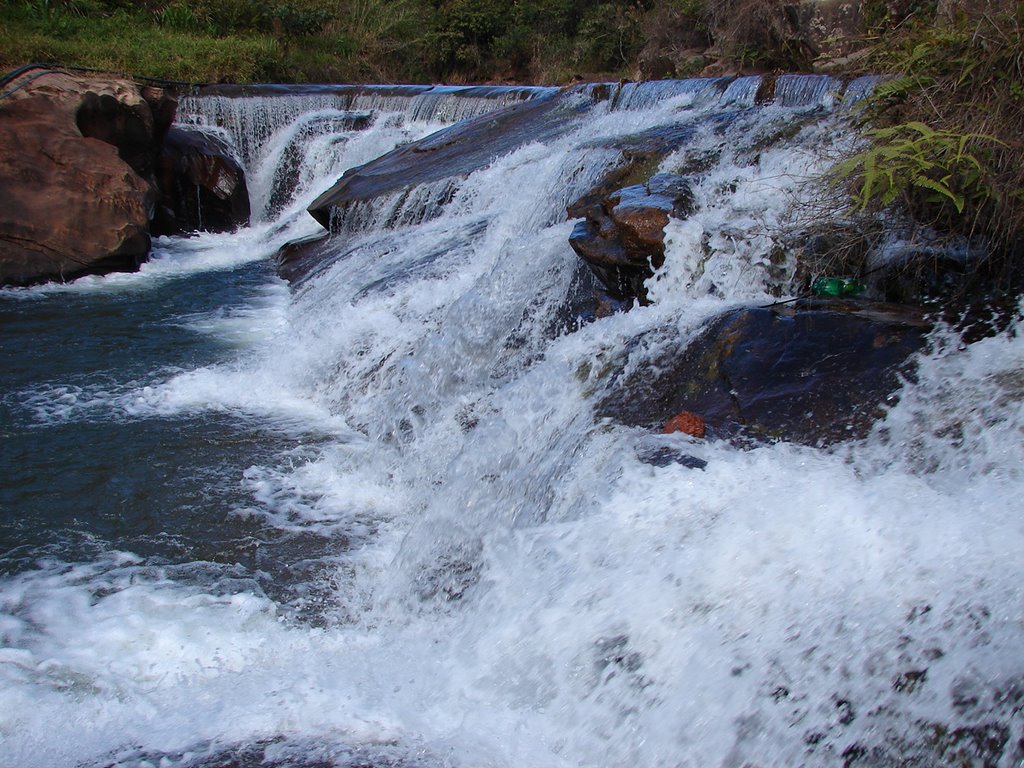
column 202, row 185
column 666, row 456
column 75, row 153
column 816, row 373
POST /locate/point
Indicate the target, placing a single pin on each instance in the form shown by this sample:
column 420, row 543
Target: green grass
column 133, row 44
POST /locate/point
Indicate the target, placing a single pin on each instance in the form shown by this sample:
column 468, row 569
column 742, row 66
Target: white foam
column 171, row 259
column 243, row 326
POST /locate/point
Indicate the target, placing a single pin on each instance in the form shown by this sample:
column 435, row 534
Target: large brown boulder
column 75, row 154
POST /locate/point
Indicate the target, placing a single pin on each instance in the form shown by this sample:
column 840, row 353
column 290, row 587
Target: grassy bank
column 537, row 41
column 157, row 44
column 230, row 40
column 126, row 42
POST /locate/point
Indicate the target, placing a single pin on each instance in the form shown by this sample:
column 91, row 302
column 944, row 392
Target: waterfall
column 458, row 559
column 252, row 114
column 288, row 137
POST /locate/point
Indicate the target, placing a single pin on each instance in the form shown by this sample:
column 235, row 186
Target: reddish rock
column 73, row 204
column 622, row 236
column 686, row 422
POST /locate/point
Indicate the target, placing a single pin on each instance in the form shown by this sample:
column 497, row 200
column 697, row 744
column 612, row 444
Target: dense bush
column 945, row 134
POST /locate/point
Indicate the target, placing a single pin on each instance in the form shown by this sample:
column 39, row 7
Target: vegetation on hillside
column 537, row 41
column 944, row 132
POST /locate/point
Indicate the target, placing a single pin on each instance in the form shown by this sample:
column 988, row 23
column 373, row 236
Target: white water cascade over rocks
column 415, row 507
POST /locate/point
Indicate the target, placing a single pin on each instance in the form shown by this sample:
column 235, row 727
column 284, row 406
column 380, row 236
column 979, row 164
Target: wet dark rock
column 452, row 569
column 582, row 304
column 665, row 456
column 202, row 185
column 903, row 267
column 299, row 260
column 936, row 745
column 910, row 681
column 622, row 236
column 639, row 157
column 816, row 373
column 920, row 276
column 283, row 752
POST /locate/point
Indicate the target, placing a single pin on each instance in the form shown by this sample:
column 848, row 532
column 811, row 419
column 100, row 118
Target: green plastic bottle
column 836, row 287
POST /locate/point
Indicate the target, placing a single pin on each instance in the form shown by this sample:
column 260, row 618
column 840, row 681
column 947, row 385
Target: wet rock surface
column 817, row 372
column 282, row 752
column 202, row 185
column 622, row 235
column 75, row 156
column 446, row 157
column 300, row 260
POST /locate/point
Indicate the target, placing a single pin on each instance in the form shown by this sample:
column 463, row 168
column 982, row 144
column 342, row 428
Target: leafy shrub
column 608, row 37
column 926, row 167
column 946, row 142
column 766, row 34
column 180, row 17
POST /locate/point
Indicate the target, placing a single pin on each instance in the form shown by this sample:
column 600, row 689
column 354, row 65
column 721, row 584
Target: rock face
column 76, row 162
column 202, row 186
column 135, row 126
column 815, row 374
column 622, row 236
column 303, row 259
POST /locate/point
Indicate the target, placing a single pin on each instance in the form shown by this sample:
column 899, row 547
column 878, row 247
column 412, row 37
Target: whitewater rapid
column 473, row 568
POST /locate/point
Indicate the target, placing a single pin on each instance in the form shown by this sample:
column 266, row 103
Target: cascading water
column 395, row 530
